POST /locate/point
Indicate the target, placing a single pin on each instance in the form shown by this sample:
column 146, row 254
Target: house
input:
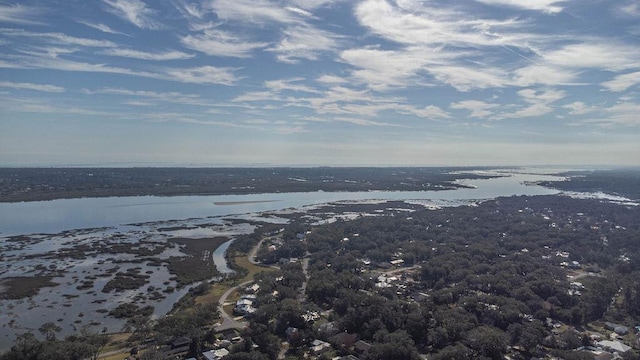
column 361, row 346
column 215, row 354
column 319, row 347
column 397, row 262
column 253, row 289
column 244, row 302
column 617, row 328
column 614, row 346
column 349, row 357
column 180, row 342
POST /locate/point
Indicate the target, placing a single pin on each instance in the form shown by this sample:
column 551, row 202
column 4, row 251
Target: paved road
column 228, row 321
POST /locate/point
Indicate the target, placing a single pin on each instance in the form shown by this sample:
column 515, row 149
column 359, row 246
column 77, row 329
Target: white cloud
column 539, row 103
column 299, row 11
column 622, row 82
column 288, row 130
column 428, row 112
column 630, row 9
column 251, row 96
column 536, row 109
column 290, row 85
column 477, row 108
column 102, row 27
column 20, row 14
column 579, row 108
column 30, row 86
column 252, row 11
column 331, row 79
column 621, row 114
column 418, row 23
column 382, row 70
column 204, row 75
column 194, row 10
column 468, row 78
column 595, row 54
column 159, row 56
column 171, row 96
column 544, row 97
column 133, row 11
column 313, row 4
column 58, row 38
column 544, row 75
column 304, row 42
column 221, row 43
column 548, row 6
column 363, row 122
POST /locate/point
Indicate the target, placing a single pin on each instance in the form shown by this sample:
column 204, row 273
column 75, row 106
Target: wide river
column 68, row 214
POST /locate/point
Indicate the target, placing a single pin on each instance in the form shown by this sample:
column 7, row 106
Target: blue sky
column 319, row 82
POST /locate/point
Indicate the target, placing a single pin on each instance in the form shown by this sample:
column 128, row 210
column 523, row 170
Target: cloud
column 595, row 54
column 622, row 82
column 58, row 38
column 29, row 86
column 579, row 108
column 544, row 97
column 385, row 69
column 20, row 14
column 255, row 96
column 304, row 42
column 163, row 97
column 252, row 11
column 621, row 114
column 539, row 103
column 191, row 9
column 102, row 27
column 289, row 85
column 133, row 11
column 364, row 122
column 204, row 75
column 630, row 9
column 331, row 79
column 547, row 6
column 288, row 130
column 313, row 4
column 544, row 75
column 477, row 108
column 468, row 78
column 196, row 75
column 221, row 43
column 459, row 49
column 160, row 56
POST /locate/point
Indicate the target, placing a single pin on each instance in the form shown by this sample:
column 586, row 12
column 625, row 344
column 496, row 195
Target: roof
column 215, row 354
column 616, row 346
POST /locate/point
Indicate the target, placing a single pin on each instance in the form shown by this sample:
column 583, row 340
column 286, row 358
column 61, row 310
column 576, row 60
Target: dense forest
column 622, row 182
column 477, row 281
column 31, row 184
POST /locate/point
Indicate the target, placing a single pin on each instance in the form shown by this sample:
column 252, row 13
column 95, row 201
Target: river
column 68, row 214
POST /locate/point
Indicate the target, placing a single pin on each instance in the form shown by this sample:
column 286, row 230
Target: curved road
column 228, row 321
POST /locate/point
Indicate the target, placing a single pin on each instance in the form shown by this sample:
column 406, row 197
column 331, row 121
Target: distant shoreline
column 228, row 203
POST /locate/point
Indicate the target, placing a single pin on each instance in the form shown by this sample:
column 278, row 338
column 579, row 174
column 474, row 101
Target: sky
column 319, row 82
